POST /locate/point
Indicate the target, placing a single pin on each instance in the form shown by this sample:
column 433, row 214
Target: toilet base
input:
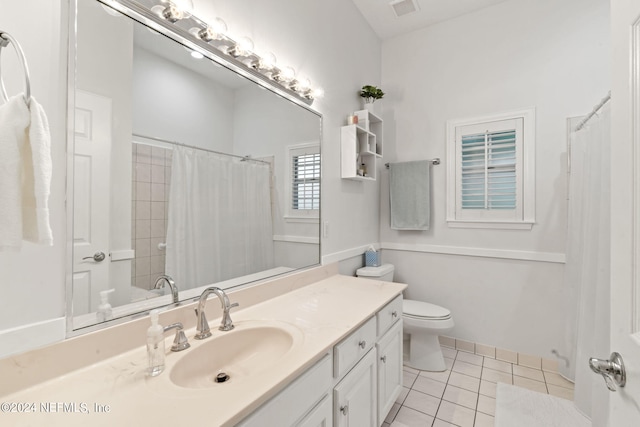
column 425, row 353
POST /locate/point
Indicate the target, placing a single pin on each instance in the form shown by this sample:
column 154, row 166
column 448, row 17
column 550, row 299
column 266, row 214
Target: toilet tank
column 384, row 272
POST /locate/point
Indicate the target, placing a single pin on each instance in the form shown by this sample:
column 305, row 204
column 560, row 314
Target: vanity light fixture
column 239, row 53
column 242, row 47
column 174, row 10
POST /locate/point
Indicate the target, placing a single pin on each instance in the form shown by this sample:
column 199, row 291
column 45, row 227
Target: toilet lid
column 424, row 310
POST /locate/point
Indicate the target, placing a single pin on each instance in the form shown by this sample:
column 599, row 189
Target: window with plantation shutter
column 304, row 175
column 490, row 169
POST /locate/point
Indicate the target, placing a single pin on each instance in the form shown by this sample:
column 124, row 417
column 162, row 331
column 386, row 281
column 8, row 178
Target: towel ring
column 5, row 39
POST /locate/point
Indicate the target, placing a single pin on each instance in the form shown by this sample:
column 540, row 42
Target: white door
column 91, row 193
column 624, row 405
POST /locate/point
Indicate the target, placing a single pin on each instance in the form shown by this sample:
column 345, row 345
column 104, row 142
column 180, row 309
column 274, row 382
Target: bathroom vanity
column 330, row 351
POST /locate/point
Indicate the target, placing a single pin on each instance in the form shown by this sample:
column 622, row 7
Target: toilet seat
column 423, row 310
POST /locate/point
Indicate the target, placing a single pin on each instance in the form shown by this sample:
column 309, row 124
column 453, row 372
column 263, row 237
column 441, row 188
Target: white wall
column 551, row 55
column 199, row 112
column 33, row 280
column 328, row 41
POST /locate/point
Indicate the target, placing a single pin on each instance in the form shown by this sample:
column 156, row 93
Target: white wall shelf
column 361, row 145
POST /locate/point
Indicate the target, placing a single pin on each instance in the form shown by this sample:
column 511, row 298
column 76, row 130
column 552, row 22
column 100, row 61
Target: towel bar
column 434, row 162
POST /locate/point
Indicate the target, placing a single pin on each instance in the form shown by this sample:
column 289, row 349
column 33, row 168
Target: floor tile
column 461, row 397
column 449, row 352
column 467, row 368
column 488, row 388
column 443, row 376
column 484, row 420
column 496, row 376
column 408, row 378
column 422, row 402
column 412, row 418
column 470, row 358
column 440, row 423
column 464, row 381
column 392, row 413
column 557, row 379
column 429, row 386
column 565, row 393
column 402, row 395
column 487, row 405
column 410, row 370
column 448, row 363
column 534, row 385
column 455, row 414
column 523, row 371
column 497, row 365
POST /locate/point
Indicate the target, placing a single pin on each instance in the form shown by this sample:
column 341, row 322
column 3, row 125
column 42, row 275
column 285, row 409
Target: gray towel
column 409, row 195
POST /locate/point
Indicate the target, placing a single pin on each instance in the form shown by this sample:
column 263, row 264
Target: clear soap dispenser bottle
column 155, row 346
column 105, row 312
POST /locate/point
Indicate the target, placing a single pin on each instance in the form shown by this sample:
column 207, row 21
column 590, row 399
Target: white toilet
column 423, row 322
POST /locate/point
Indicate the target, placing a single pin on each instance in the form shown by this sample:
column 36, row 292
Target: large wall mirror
column 183, row 168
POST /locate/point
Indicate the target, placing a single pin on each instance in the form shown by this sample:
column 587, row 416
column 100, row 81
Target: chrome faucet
column 202, row 324
column 161, row 280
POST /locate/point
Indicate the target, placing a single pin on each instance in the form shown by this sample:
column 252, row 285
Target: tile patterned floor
column 464, row 394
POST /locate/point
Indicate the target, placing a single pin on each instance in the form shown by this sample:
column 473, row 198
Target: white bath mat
column 519, row 407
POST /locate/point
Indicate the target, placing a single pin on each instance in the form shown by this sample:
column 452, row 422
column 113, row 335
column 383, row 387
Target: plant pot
column 369, row 106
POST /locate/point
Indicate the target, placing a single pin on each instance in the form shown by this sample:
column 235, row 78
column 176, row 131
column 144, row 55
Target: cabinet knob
column 384, row 359
column 394, row 313
column 362, row 344
column 344, row 409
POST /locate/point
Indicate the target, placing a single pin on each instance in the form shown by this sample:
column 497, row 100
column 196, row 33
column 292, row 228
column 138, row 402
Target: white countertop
column 324, row 313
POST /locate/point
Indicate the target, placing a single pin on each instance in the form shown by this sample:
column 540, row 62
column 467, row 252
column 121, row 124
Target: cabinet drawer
column 389, row 315
column 351, row 349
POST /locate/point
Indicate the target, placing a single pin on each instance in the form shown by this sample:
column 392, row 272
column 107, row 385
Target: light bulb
column 317, row 92
column 111, row 11
column 174, row 10
column 196, row 55
column 302, row 84
column 243, row 47
column 267, row 62
column 215, row 31
column 285, row 75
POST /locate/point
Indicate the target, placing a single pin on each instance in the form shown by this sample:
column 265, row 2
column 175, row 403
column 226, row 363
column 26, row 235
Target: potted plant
column 370, row 94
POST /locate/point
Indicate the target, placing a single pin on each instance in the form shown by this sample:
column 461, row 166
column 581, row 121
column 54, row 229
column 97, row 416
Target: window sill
column 491, row 225
column 302, row 219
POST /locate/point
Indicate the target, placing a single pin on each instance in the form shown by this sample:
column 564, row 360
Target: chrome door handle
column 612, row 370
column 344, row 409
column 362, row 344
column 97, row 257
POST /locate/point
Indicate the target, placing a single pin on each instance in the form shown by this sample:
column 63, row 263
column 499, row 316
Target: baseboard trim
column 347, row 253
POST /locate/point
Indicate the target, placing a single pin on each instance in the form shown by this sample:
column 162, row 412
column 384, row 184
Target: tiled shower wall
column 151, row 177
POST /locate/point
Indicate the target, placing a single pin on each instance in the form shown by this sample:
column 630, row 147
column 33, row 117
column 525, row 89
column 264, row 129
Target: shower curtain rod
column 594, row 112
column 166, row 141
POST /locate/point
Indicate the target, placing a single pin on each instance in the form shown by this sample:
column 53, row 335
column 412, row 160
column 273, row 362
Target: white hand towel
column 25, row 174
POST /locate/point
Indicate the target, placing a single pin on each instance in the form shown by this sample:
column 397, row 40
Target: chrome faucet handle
column 202, row 327
column 180, row 341
column 227, row 324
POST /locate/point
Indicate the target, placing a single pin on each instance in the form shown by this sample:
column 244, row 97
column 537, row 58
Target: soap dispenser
column 155, row 345
column 105, row 312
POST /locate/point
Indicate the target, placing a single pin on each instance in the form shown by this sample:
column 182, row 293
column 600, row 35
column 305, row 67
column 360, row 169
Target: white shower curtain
column 587, row 266
column 219, row 218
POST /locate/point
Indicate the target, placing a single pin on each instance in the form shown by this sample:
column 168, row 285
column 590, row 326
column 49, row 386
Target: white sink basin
column 249, row 349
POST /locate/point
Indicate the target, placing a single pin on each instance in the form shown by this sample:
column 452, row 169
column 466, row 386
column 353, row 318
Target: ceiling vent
column 404, row 7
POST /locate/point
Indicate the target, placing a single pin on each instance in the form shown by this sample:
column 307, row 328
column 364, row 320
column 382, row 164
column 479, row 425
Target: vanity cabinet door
column 296, row 401
column 354, row 398
column 320, row 416
column 389, row 370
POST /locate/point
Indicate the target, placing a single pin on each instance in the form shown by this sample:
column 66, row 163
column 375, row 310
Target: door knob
column 612, row 370
column 97, row 257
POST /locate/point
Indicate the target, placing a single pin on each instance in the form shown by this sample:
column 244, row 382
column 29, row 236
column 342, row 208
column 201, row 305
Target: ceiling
column 382, row 18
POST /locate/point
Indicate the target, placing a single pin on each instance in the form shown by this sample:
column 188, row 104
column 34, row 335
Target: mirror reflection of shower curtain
column 219, row 215
column 587, row 265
